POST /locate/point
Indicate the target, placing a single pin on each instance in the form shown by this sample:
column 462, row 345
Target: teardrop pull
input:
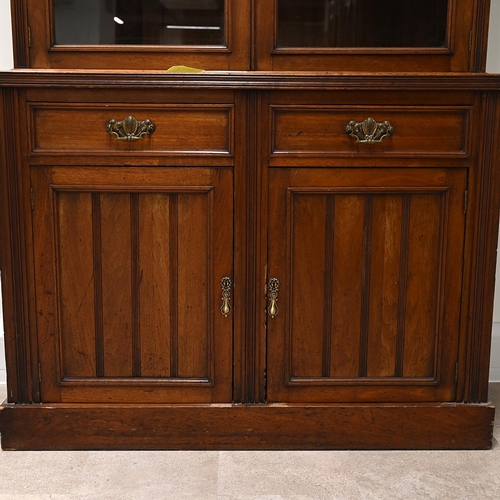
column 226, row 286
column 273, row 287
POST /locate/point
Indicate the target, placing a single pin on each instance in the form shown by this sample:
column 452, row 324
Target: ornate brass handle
column 369, row 131
column 273, row 287
column 226, row 286
column 130, row 129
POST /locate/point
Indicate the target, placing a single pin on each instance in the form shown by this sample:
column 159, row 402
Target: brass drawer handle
column 273, row 287
column 369, row 131
column 130, row 129
column 226, row 285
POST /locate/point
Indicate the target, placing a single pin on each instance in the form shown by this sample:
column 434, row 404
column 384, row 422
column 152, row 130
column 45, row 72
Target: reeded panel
column 140, row 22
column 361, row 23
column 137, row 261
column 370, row 281
column 137, row 304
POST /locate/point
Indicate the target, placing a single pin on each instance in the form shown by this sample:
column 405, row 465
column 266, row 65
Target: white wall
column 493, row 66
column 6, row 62
column 6, row 59
column 493, row 60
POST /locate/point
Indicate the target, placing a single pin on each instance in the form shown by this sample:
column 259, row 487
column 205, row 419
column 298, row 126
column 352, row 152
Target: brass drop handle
column 273, row 286
column 369, row 131
column 226, row 286
column 130, row 129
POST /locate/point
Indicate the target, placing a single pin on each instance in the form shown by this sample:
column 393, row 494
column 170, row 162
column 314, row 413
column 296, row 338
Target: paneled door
column 128, row 271
column 369, row 265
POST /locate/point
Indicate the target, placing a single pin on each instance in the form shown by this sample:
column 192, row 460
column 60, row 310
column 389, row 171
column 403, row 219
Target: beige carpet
column 253, row 475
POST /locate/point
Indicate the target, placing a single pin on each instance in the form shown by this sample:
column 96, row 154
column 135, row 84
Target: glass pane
column 139, row 22
column 362, row 23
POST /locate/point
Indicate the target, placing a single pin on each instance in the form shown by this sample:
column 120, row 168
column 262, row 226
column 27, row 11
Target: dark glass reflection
column 362, row 23
column 139, row 22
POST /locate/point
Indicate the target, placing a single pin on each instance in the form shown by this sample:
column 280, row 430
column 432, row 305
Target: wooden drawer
column 312, row 130
column 200, row 129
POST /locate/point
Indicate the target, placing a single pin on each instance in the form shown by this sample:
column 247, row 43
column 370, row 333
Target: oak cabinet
column 246, row 259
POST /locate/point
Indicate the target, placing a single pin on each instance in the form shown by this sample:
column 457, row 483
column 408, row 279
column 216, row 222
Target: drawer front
column 431, row 131
column 178, row 129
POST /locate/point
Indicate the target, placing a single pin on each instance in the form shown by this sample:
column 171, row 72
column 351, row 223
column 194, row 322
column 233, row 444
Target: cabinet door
column 135, row 34
column 128, row 269
column 370, row 269
column 363, row 35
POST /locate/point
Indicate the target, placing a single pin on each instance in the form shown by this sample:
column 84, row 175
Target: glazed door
column 363, row 35
column 128, row 270
column 137, row 34
column 369, row 264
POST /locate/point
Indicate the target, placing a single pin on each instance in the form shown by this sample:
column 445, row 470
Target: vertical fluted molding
column 480, row 36
column 20, row 33
column 484, row 255
column 22, row 386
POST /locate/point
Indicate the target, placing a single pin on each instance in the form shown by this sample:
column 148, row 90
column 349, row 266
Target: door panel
column 371, row 282
column 115, row 255
column 324, row 35
column 77, row 281
column 137, row 296
column 137, row 35
column 389, row 23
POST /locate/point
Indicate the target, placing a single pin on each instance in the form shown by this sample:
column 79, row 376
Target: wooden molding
column 239, row 427
column 248, row 80
column 480, row 36
column 20, row 29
